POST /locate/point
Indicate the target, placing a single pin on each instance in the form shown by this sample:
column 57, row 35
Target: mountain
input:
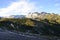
column 37, row 15
column 1, row 17
column 17, row 16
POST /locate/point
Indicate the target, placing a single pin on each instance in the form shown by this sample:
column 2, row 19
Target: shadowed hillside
column 47, row 25
column 43, row 27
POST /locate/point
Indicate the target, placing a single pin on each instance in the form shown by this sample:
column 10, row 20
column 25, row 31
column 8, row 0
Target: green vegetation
column 50, row 25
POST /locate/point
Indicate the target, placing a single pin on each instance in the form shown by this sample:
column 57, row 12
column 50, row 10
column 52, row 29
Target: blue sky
column 5, row 3
column 18, row 7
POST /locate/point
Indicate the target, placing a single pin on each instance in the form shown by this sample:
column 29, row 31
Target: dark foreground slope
column 14, row 36
column 7, row 35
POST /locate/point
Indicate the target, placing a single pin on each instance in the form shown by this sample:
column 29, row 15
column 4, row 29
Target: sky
column 23, row 7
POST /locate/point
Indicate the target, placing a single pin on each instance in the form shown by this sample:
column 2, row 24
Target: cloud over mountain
column 19, row 7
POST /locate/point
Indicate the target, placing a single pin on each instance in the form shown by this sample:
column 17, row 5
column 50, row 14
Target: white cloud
column 21, row 7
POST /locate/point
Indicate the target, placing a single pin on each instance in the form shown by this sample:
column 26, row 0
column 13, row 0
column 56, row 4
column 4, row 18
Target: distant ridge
column 17, row 16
